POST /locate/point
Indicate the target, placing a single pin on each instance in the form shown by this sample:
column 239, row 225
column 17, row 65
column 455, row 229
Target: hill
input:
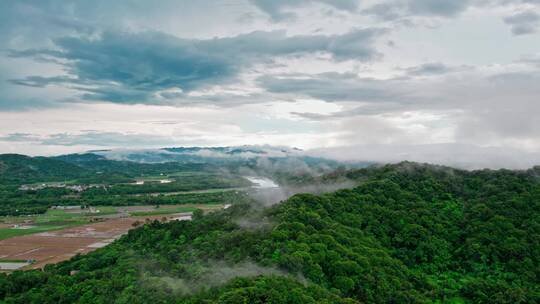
column 122, row 166
column 30, row 185
column 407, row 233
column 15, row 168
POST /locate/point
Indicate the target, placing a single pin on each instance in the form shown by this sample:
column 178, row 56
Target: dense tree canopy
column 407, row 233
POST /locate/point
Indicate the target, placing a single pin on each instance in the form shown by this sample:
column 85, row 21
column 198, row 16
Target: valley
column 31, row 242
column 270, row 152
column 401, row 233
column 53, row 246
column 71, row 221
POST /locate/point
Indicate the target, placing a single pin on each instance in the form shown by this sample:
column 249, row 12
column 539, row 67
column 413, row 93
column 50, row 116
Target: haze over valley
column 269, row 151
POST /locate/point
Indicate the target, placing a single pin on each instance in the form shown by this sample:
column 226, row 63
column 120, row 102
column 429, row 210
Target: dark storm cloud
column 337, row 87
column 524, row 23
column 34, row 21
column 122, row 67
column 40, row 82
column 38, row 21
column 13, row 100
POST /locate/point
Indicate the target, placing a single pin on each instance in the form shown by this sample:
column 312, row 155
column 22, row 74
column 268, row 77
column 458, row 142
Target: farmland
column 54, row 246
column 31, row 242
column 54, row 219
column 51, row 220
column 46, row 218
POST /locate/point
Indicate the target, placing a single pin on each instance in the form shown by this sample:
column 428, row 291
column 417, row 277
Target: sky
column 452, row 82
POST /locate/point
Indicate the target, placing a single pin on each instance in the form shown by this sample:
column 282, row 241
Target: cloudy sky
column 432, row 80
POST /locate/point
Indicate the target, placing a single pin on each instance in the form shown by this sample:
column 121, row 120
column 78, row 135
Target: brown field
column 59, row 245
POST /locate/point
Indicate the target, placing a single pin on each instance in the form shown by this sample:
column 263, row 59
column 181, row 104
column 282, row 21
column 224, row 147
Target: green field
column 12, row 261
column 55, row 219
column 50, row 220
column 39, row 227
column 164, row 210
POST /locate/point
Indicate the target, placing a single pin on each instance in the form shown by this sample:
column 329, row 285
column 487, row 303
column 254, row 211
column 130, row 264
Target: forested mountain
column 121, row 165
column 217, row 155
column 82, row 168
column 31, row 185
column 407, row 233
column 16, row 168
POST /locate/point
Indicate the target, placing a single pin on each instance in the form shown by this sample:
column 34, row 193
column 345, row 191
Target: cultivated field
column 76, row 232
column 55, row 246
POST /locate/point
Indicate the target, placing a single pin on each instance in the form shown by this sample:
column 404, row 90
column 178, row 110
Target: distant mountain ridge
column 197, row 154
column 271, row 160
column 16, row 167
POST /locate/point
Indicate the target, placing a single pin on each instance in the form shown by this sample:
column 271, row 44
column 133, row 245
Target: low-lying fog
column 268, row 192
column 261, row 182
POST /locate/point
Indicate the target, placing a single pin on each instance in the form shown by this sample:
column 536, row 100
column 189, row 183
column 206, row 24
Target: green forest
column 107, row 182
column 407, row 233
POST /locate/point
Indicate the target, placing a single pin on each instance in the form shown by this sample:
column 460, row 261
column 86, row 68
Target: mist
column 460, row 156
column 215, row 273
column 272, row 196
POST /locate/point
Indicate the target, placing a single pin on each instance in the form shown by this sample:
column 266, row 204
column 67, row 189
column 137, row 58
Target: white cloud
column 417, row 79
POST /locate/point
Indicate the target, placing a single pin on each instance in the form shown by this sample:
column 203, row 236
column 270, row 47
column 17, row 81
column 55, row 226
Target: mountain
column 15, row 168
column 121, row 165
column 197, row 154
column 266, row 160
column 406, row 233
column 208, row 155
column 80, row 157
column 223, row 156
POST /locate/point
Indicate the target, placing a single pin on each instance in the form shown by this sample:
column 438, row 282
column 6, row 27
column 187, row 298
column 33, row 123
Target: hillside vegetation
column 16, row 168
column 31, row 185
column 407, row 233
